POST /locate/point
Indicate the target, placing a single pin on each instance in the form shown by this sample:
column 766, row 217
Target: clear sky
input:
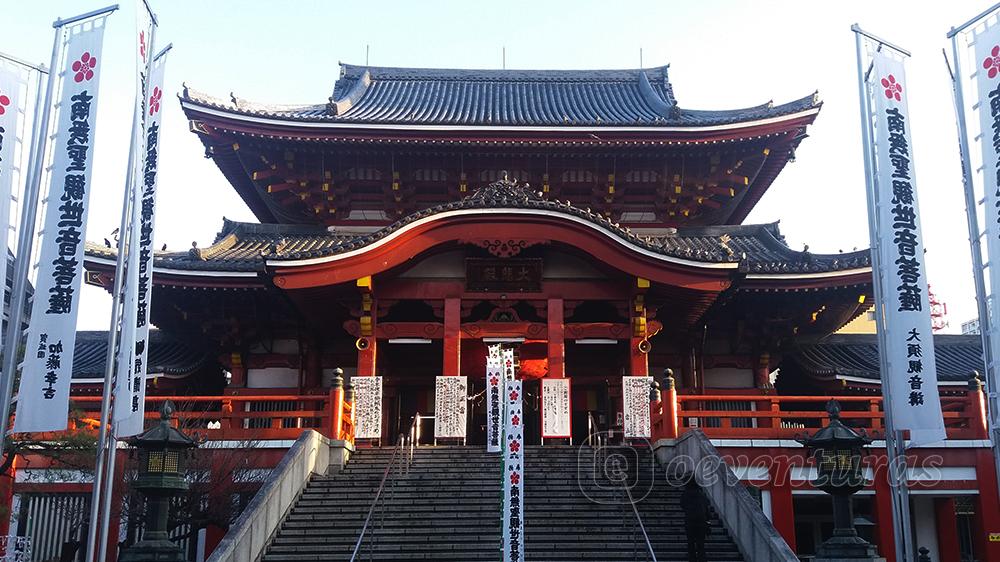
column 723, row 54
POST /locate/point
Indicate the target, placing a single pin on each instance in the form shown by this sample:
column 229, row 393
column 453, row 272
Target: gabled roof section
column 168, row 356
column 367, row 95
column 755, row 248
column 856, row 355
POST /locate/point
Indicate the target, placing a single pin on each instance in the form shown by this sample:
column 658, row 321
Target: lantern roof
column 164, row 435
column 836, row 434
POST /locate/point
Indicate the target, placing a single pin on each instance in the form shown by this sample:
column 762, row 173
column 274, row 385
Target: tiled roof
column 407, row 96
column 856, row 355
column 759, row 248
column 167, row 355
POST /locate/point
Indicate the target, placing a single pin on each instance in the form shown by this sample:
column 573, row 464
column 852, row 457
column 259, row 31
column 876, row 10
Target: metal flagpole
column 107, row 442
column 975, row 240
column 29, row 206
column 897, row 478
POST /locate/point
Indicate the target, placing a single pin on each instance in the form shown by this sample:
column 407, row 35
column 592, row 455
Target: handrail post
column 226, row 421
column 670, row 406
column 337, row 403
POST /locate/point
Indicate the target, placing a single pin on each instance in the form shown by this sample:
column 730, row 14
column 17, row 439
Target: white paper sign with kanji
column 450, row 406
column 635, row 402
column 556, row 420
column 494, row 402
column 367, row 407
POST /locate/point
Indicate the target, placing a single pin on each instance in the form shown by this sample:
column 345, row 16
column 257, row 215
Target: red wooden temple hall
column 583, row 219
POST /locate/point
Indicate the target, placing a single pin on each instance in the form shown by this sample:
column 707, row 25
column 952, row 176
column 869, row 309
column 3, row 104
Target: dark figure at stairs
column 696, row 514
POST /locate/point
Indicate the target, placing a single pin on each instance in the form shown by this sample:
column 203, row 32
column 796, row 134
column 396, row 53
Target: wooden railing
column 249, row 417
column 754, row 416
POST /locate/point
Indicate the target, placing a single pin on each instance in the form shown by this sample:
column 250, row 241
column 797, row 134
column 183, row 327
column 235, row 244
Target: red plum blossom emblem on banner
column 515, row 478
column 513, row 395
column 992, row 63
column 893, row 89
column 494, row 380
column 84, row 68
column 515, row 420
column 515, row 446
column 154, row 100
column 4, row 102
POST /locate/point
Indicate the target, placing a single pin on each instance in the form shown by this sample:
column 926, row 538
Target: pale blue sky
column 722, row 55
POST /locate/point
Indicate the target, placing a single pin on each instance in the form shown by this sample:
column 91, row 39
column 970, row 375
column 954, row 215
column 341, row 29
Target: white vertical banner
column 43, row 399
column 556, row 411
column 494, row 403
column 13, row 94
column 635, row 406
column 367, row 407
column 450, row 406
column 988, row 102
column 912, row 376
column 508, row 364
column 130, row 385
column 512, row 514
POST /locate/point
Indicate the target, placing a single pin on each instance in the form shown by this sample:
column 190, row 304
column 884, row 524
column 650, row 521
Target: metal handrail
column 407, row 459
column 595, row 436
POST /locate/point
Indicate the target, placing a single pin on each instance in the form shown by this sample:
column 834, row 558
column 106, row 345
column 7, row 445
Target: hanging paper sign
column 988, row 88
column 450, row 406
column 494, row 403
column 367, row 407
column 635, row 406
column 13, row 90
column 43, row 398
column 131, row 398
column 556, row 420
column 912, row 376
column 512, row 514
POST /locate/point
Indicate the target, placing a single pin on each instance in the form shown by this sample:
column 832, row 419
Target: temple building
column 585, row 220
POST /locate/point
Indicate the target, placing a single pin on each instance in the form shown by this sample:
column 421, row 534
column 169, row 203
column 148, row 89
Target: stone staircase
column 448, row 509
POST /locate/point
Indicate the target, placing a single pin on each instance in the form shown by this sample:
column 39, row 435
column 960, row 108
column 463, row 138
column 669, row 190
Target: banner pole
column 26, row 236
column 103, row 487
column 900, row 506
column 975, row 240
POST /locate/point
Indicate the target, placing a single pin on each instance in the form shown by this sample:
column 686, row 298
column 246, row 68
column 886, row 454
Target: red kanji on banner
column 154, row 100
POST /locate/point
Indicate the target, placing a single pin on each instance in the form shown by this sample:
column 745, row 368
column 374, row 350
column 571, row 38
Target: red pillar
column 782, row 507
column 313, row 368
column 638, row 363
column 987, row 519
column 883, row 515
column 947, row 530
column 7, row 497
column 669, row 409
column 452, row 364
column 557, row 345
column 366, row 344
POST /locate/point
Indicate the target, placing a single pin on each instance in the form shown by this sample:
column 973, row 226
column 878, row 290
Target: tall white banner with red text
column 13, row 90
column 131, row 383
column 512, row 514
column 912, row 376
column 43, row 399
column 494, row 403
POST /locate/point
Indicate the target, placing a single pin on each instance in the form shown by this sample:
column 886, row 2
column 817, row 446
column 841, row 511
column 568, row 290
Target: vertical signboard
column 43, row 399
column 450, row 407
column 912, row 376
column 556, row 420
column 494, row 403
column 635, row 406
column 367, row 407
column 512, row 514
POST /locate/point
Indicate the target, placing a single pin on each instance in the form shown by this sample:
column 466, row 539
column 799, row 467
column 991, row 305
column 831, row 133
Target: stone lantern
column 163, row 452
column 838, row 451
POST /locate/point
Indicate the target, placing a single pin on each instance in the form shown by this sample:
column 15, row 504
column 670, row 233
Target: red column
column 668, row 399
column 7, row 497
column 452, row 364
column 237, row 370
column 883, row 515
column 557, row 345
column 987, row 518
column 947, row 530
column 782, row 507
column 638, row 363
column 366, row 344
column 313, row 368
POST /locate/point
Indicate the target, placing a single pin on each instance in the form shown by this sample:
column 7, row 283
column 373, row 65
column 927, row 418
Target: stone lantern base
column 153, row 551
column 847, row 548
